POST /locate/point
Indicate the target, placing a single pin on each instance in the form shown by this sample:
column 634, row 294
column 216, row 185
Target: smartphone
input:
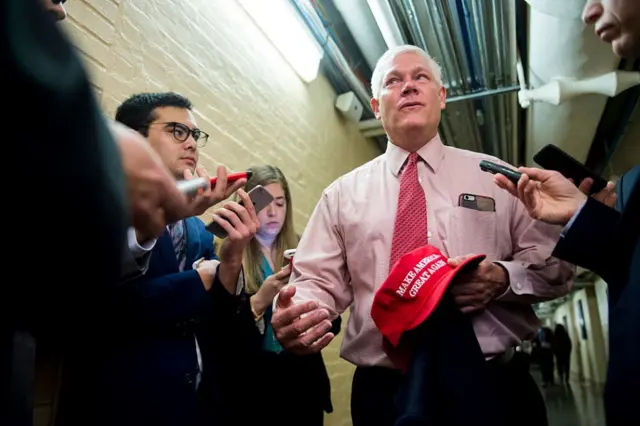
column 477, row 202
column 260, row 197
column 553, row 158
column 490, row 167
column 288, row 254
column 192, row 186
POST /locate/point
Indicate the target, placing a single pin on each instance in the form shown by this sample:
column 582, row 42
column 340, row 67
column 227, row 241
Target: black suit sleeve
column 64, row 196
column 592, row 241
column 67, row 191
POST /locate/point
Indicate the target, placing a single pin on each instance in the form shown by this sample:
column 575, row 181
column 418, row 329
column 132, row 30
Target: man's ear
column 375, row 106
column 442, row 94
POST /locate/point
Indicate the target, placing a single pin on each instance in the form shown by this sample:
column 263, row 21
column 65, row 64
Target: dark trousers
column 294, row 379
column 546, row 366
column 374, row 390
column 563, row 362
column 257, row 395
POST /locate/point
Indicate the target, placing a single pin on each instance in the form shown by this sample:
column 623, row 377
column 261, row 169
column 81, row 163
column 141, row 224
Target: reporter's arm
column 591, row 240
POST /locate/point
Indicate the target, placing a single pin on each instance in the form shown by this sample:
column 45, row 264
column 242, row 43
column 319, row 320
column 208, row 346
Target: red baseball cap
column 413, row 289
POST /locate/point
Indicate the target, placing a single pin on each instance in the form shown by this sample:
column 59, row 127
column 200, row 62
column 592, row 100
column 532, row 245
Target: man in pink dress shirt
column 344, row 253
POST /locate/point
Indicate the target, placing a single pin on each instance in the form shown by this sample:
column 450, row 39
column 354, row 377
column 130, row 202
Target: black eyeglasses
column 181, row 133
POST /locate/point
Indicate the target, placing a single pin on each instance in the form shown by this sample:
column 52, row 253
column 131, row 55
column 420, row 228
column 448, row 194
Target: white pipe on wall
column 562, row 47
column 362, row 24
column 560, row 90
column 383, row 15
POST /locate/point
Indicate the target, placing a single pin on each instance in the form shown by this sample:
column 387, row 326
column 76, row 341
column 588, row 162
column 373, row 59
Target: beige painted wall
column 246, row 97
column 566, row 310
column 588, row 358
column 602, row 299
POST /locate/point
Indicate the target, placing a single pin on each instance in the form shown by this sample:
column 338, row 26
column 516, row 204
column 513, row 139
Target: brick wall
column 246, row 96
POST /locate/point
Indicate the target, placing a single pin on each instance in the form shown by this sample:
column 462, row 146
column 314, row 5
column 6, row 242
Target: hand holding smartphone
column 260, row 197
column 553, row 158
column 192, row 186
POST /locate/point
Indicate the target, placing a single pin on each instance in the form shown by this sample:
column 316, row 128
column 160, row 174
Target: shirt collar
column 431, row 153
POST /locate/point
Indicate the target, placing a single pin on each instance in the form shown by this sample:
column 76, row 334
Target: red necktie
column 410, row 230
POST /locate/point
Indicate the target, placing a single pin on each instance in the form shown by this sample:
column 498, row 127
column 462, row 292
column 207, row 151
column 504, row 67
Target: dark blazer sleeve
column 603, row 239
column 172, row 297
column 231, row 319
column 590, row 242
column 166, row 298
column 77, row 173
column 625, row 187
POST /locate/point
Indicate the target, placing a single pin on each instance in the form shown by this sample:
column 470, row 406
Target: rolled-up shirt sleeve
column 320, row 272
column 534, row 274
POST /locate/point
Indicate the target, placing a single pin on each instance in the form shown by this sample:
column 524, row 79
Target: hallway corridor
column 573, row 404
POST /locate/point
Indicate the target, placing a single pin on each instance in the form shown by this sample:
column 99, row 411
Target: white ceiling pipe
column 362, row 25
column 381, row 10
column 562, row 47
column 562, row 89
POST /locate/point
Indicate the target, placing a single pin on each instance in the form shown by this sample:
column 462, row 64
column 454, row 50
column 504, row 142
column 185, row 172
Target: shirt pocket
column 468, row 231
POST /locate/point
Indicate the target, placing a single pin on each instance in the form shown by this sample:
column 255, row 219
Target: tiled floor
column 574, row 404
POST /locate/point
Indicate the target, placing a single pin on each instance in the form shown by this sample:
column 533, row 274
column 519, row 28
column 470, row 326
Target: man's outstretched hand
column 301, row 328
column 549, row 196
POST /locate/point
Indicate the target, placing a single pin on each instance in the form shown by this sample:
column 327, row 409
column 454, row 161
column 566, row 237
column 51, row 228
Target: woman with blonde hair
column 276, row 385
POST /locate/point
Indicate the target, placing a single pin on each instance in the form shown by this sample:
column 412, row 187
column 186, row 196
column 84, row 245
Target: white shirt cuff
column 216, row 263
column 573, row 219
column 138, row 250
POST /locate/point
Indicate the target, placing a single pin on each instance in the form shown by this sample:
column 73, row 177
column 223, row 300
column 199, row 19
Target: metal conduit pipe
column 373, row 127
column 310, row 16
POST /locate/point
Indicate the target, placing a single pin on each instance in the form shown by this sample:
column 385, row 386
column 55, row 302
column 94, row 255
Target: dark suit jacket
column 67, row 193
column 606, row 241
column 147, row 373
column 302, row 381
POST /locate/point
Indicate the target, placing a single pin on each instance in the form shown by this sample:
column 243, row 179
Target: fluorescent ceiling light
column 283, row 26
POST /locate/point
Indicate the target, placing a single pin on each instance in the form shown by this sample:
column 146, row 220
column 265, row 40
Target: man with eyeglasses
column 154, row 198
column 157, row 365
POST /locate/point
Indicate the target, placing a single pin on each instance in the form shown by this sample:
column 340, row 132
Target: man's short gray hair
column 387, row 58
